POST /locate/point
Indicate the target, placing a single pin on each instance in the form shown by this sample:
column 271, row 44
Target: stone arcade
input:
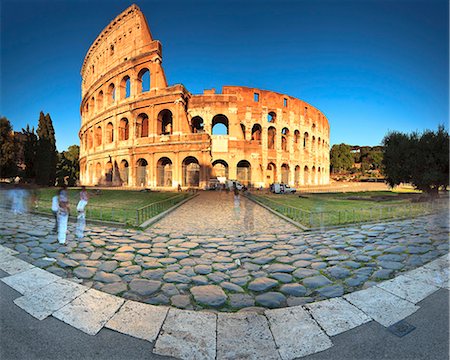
column 138, row 131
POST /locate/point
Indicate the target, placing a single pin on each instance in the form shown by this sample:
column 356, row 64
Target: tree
column 29, row 152
column 421, row 160
column 341, row 158
column 68, row 167
column 46, row 155
column 8, row 166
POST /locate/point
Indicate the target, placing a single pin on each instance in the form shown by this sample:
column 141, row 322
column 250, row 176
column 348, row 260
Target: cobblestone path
column 216, row 213
column 228, row 272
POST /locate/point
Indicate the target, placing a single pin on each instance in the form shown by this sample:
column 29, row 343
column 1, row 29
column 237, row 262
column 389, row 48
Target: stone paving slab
column 43, row 302
column 382, row 306
column 30, row 280
column 139, row 320
column 13, row 266
column 336, row 315
column 90, row 311
column 408, row 288
column 244, row 336
column 296, row 333
column 429, row 276
column 7, row 251
column 440, row 264
column 188, row 335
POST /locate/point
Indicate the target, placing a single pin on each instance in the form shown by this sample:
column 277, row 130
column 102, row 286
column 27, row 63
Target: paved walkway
column 263, row 286
column 217, row 213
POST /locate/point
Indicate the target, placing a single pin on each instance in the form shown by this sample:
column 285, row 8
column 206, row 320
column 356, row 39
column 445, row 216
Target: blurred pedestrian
column 63, row 215
column 55, row 208
column 81, row 217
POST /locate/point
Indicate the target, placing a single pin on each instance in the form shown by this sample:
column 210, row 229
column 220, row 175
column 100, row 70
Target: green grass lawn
column 325, row 209
column 114, row 205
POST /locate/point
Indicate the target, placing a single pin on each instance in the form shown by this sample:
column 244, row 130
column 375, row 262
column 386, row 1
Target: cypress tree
column 46, row 155
column 8, row 166
column 29, row 152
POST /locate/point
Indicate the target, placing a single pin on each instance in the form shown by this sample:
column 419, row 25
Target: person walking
column 81, row 217
column 63, row 215
column 55, row 208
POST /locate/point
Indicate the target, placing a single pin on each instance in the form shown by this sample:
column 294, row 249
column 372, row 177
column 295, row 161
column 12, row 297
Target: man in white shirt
column 55, row 208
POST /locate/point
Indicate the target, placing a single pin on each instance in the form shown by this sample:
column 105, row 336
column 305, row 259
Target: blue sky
column 370, row 65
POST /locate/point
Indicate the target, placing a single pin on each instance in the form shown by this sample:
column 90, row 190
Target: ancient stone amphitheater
column 138, row 131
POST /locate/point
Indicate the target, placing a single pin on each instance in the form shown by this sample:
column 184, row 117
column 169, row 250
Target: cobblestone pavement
column 228, row 272
column 216, row 213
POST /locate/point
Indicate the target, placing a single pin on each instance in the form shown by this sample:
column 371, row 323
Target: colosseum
column 138, row 131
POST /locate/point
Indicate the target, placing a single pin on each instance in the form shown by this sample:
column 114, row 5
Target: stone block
column 139, row 320
column 382, row 306
column 337, row 315
column 44, row 301
column 89, row 312
column 188, row 335
column 244, row 336
column 296, row 333
column 13, row 266
column 30, row 280
column 408, row 288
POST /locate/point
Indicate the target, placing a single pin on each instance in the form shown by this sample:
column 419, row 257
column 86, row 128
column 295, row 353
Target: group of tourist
column 61, row 210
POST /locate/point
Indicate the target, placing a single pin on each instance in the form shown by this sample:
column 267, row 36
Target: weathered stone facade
column 138, row 131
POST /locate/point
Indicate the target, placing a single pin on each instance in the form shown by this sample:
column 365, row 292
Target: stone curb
column 158, row 217
column 285, row 333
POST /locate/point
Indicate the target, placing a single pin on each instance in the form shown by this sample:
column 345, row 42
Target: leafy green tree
column 68, row 167
column 421, row 160
column 8, row 163
column 46, row 155
column 341, row 158
column 29, row 152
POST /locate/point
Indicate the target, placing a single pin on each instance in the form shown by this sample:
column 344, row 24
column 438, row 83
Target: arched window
column 92, row 104
column 124, row 129
column 109, row 133
column 244, row 172
column 98, row 136
column 271, row 136
column 165, row 122
column 125, row 87
column 197, row 124
column 305, row 139
column 256, row 132
column 271, row 173
column 142, row 125
column 220, row 169
column 111, row 93
column 100, row 100
column 296, row 136
column 191, row 172
column 164, row 172
column 297, row 175
column 90, row 139
column 306, row 175
column 98, row 173
column 285, row 173
column 284, row 139
column 220, row 125
column 141, row 172
column 124, row 172
column 144, row 80
column 271, row 117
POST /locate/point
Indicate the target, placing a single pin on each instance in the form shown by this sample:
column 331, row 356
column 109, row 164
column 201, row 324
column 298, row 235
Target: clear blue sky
column 370, row 65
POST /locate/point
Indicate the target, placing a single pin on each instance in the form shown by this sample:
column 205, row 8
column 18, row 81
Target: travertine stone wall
column 137, row 131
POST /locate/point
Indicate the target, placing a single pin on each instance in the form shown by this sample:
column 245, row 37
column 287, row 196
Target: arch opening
column 164, row 172
column 220, row 125
column 191, row 172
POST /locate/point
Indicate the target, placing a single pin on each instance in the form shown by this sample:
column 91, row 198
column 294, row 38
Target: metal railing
column 320, row 219
column 147, row 212
column 120, row 215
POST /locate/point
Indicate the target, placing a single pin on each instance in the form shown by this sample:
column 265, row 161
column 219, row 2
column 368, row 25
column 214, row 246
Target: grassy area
column 326, row 209
column 115, row 205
